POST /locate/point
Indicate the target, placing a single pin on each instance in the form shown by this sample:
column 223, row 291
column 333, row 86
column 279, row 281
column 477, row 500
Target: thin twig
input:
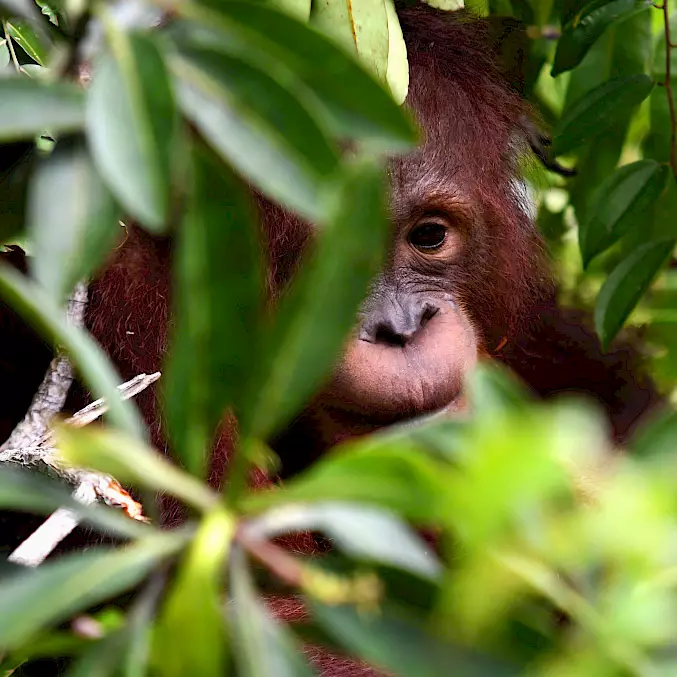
column 10, row 46
column 668, row 89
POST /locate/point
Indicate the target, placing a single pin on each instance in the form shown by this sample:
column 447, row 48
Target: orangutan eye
column 428, row 236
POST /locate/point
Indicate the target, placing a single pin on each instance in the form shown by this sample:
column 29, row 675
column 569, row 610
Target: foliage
column 559, row 556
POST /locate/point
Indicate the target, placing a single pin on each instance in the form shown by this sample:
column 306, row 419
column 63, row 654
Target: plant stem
column 668, row 88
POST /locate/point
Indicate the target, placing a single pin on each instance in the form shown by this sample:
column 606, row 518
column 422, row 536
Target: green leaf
column 34, row 492
column 31, row 302
column 191, row 636
column 29, row 108
column 36, row 598
column 354, row 103
column 72, row 220
column 263, row 647
column 621, row 204
column 130, row 461
column 625, row 286
column 28, row 40
column 397, row 75
column 360, row 531
column 26, row 9
column 392, row 474
column 360, row 26
column 299, row 9
column 587, row 26
column 131, row 124
column 394, row 641
column 258, row 126
column 319, row 310
column 598, row 110
column 219, row 263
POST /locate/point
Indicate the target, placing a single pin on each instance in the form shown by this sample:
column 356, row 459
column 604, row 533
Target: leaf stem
column 10, row 46
column 668, row 88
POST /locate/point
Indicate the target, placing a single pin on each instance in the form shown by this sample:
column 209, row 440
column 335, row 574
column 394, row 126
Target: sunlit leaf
column 36, row 598
column 397, row 75
column 300, row 9
column 28, row 40
column 31, row 303
column 360, row 26
column 73, row 220
column 587, row 26
column 132, row 461
column 354, row 104
column 218, row 307
column 598, row 109
column 358, row 530
column 131, row 123
column 29, row 108
column 626, row 285
column 258, row 126
column 622, row 203
column 449, row 5
column 263, row 647
column 34, row 492
column 191, row 636
column 395, row 642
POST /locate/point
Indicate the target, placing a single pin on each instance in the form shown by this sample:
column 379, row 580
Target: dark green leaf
column 31, row 302
column 258, row 126
column 319, row 310
column 30, row 108
column 392, row 474
column 28, row 40
column 587, row 26
column 356, row 105
column 625, row 286
column 72, row 218
column 34, row 492
column 18, row 160
column 598, row 110
column 131, row 122
column 621, row 204
column 263, row 647
column 219, row 264
column 102, row 658
column 657, row 438
column 132, row 461
column 394, row 641
column 39, row 597
column 190, row 637
column 360, row 531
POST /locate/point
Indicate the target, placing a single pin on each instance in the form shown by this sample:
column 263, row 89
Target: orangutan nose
column 397, row 324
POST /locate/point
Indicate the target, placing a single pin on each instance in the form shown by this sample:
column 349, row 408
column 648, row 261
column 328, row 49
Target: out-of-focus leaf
column 131, row 122
column 219, row 264
column 263, row 647
column 299, row 9
column 319, row 310
column 17, row 164
column 395, row 642
column 132, row 461
column 27, row 39
column 397, row 75
column 358, row 530
column 361, row 26
column 622, row 203
column 103, row 658
column 29, row 108
column 34, row 492
column 354, row 104
column 569, row 9
column 656, row 438
column 587, row 26
column 31, row 303
column 73, row 220
column 626, row 285
column 33, row 599
column 190, row 637
column 493, row 389
column 393, row 476
column 25, row 9
column 4, row 54
column 258, row 126
column 598, row 109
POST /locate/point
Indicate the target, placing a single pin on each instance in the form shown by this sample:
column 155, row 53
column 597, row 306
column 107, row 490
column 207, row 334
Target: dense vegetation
column 563, row 556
